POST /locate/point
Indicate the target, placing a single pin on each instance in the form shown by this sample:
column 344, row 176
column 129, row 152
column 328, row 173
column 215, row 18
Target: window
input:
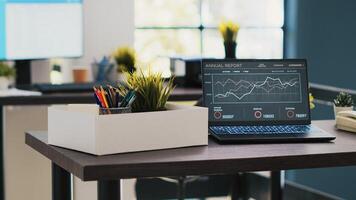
column 167, row 28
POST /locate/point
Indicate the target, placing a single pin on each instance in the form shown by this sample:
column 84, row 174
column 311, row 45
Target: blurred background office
column 322, row 31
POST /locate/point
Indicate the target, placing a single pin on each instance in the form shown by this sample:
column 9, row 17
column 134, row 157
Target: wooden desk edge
column 70, row 165
column 232, row 166
column 198, row 167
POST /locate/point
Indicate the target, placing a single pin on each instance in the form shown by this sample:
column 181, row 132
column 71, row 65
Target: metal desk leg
column 277, row 185
column 61, row 183
column 181, row 188
column 109, row 190
column 239, row 187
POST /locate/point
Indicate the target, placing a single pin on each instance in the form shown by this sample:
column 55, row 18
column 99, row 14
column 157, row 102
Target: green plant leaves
column 151, row 89
column 343, row 99
column 6, row 70
column 125, row 58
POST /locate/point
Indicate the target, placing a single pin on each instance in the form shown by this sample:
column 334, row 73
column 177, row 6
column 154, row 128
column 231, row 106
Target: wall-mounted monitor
column 36, row 29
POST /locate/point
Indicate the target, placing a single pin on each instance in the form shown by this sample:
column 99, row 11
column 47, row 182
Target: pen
column 131, row 100
column 117, row 98
column 125, row 99
column 128, row 97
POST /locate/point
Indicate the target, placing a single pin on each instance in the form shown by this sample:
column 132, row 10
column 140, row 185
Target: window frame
column 201, row 28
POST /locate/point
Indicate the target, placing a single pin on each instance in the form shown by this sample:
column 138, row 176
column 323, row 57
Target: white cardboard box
column 178, row 126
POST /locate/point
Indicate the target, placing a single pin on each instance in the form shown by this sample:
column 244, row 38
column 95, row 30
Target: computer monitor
column 40, row 29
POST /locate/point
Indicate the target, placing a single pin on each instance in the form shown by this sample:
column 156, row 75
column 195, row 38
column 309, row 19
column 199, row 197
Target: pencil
column 113, row 95
column 98, row 98
column 104, row 98
column 109, row 99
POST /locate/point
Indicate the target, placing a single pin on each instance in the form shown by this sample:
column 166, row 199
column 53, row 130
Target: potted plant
column 151, row 91
column 6, row 73
column 343, row 102
column 311, row 101
column 125, row 58
column 229, row 31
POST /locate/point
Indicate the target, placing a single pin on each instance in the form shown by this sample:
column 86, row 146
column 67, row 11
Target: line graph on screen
column 256, row 88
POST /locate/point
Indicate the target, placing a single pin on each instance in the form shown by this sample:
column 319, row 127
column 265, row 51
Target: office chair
column 200, row 187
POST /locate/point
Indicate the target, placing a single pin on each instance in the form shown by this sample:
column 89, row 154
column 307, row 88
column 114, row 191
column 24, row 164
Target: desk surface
column 211, row 159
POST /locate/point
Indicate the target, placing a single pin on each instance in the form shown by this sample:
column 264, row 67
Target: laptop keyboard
column 285, row 129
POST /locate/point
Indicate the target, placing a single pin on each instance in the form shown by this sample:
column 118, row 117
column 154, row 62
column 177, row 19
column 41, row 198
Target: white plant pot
column 339, row 109
column 4, row 83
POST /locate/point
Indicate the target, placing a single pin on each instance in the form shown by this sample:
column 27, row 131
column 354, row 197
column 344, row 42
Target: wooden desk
column 211, row 159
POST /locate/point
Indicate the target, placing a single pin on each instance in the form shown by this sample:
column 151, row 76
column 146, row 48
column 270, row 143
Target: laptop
column 259, row 101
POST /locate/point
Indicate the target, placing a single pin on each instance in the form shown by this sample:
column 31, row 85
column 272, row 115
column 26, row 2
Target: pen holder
column 120, row 110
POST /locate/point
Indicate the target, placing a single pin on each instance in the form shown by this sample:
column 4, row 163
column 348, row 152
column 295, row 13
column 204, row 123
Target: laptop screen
column 257, row 92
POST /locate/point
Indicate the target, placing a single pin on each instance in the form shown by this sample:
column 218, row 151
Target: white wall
column 27, row 173
column 107, row 25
